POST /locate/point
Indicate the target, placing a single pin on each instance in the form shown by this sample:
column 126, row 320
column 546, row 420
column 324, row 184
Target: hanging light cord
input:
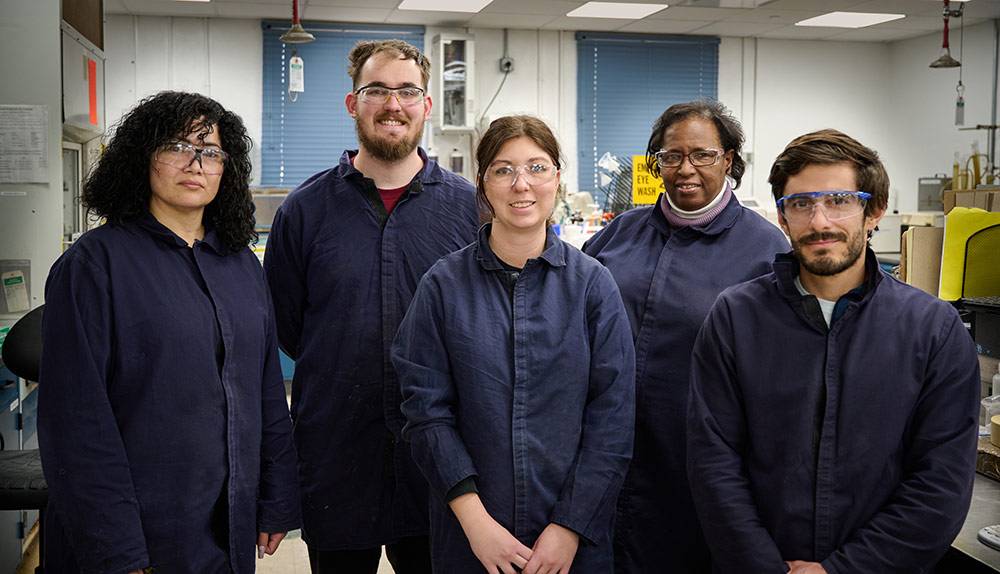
column 961, row 41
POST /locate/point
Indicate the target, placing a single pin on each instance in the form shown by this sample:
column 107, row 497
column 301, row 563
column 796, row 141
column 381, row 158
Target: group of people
column 686, row 394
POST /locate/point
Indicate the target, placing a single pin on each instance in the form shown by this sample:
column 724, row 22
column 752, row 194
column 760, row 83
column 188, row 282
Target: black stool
column 22, row 484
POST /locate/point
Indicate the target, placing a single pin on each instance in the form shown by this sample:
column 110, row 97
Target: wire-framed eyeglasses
column 406, row 95
column 180, row 154
column 799, row 208
column 506, row 175
column 698, row 158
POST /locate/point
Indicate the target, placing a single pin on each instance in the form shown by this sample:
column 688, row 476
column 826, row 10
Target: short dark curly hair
column 118, row 187
column 729, row 128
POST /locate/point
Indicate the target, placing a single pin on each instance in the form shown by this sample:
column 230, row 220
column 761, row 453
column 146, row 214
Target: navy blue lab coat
column 853, row 446
column 162, row 418
column 342, row 274
column 668, row 282
column 534, row 398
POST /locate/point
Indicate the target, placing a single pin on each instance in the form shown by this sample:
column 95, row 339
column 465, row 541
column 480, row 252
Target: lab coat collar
column 152, row 225
column 727, row 218
column 430, row 173
column 786, row 269
column 554, row 252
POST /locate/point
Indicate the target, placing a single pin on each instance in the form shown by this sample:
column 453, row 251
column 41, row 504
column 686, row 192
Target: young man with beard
column 833, row 412
column 344, row 256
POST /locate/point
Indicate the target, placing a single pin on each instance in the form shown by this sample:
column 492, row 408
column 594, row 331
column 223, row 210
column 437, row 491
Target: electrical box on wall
column 453, row 82
column 83, row 86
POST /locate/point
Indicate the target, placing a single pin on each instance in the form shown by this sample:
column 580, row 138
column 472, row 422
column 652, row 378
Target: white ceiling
column 749, row 18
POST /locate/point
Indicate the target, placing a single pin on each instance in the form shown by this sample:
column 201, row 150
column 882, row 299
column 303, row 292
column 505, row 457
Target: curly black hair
column 118, row 187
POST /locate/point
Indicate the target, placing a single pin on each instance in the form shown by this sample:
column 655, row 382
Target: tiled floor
column 291, row 558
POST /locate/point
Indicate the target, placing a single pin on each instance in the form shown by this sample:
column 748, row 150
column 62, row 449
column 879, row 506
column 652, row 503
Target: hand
column 803, row 567
column 553, row 551
column 267, row 542
column 493, row 545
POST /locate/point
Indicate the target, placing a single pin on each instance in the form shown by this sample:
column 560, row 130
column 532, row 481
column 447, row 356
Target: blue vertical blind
column 304, row 137
column 624, row 82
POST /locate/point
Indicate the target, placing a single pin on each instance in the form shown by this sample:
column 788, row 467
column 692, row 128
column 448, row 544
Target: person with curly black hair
column 163, row 426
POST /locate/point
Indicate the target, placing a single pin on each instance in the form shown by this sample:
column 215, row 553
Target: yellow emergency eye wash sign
column 646, row 186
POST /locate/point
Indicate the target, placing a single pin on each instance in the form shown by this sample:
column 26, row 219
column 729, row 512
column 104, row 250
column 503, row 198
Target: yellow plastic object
column 961, row 224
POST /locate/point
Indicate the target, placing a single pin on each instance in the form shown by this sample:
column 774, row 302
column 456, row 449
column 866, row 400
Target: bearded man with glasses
column 833, row 416
column 344, row 256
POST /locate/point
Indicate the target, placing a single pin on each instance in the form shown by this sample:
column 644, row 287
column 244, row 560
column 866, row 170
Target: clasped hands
column 498, row 550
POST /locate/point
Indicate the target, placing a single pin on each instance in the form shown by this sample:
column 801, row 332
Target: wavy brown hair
column 825, row 147
column 365, row 49
column 118, row 187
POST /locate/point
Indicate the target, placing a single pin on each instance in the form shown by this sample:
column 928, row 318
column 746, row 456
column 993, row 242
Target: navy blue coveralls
column 534, row 397
column 342, row 272
column 162, row 419
column 668, row 281
column 853, row 445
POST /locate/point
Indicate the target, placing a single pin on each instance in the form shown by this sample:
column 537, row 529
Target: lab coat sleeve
column 716, row 442
column 83, row 455
column 923, row 515
column 430, row 398
column 278, row 507
column 588, row 497
column 285, row 269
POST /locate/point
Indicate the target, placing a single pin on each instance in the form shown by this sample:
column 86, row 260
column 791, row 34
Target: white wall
column 882, row 94
column 31, row 213
column 219, row 58
column 543, row 83
column 923, row 135
column 804, row 86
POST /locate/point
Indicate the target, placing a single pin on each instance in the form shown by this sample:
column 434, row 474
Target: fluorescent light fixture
column 192, row 0
column 471, row 6
column 849, row 19
column 624, row 11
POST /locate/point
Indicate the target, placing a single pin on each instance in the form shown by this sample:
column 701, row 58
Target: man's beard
column 388, row 150
column 826, row 265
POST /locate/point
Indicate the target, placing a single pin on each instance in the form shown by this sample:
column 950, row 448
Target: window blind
column 307, row 136
column 624, row 82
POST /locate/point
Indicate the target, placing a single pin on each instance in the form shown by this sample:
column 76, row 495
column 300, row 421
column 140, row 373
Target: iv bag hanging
column 296, row 75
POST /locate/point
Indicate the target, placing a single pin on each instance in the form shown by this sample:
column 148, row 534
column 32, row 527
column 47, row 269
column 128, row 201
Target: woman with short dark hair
column 670, row 261
column 162, row 419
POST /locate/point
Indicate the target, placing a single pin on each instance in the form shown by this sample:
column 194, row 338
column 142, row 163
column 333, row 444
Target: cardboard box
column 921, row 258
column 986, row 199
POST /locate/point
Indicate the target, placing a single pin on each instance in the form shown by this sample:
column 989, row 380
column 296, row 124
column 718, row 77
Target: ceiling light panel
column 623, row 11
column 470, row 6
column 849, row 19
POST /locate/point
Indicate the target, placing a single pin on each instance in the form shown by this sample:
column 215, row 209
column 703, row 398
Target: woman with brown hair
column 516, row 365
